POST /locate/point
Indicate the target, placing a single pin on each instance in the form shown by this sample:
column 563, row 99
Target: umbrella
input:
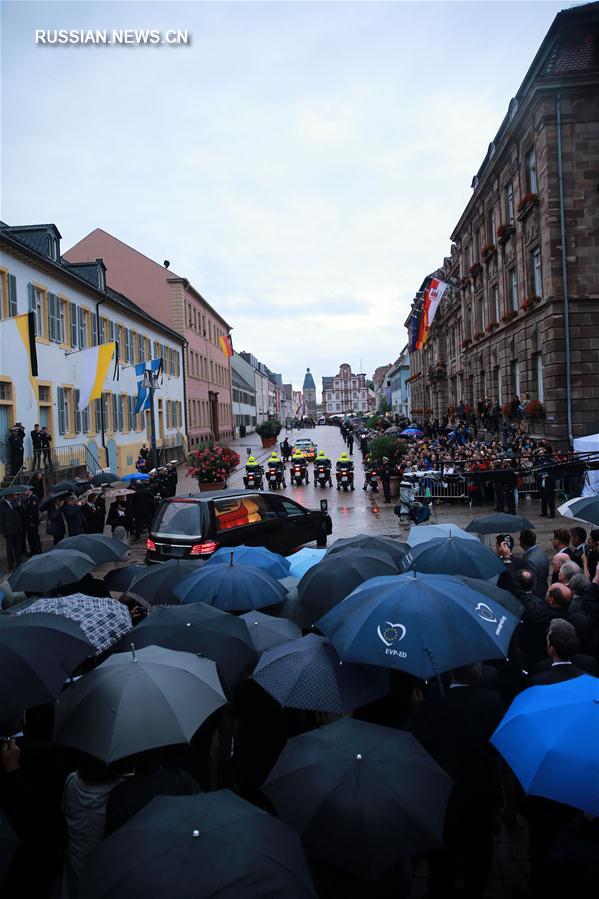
column 304, row 559
column 136, row 701
column 136, row 476
column 336, row 576
column 308, row 674
column 549, row 737
column 497, row 594
column 200, row 629
column 9, row 843
column 97, row 547
column 14, row 490
column 583, row 508
column 119, row 579
column 498, row 523
column 266, row 631
column 37, row 653
column 60, row 494
column 411, row 432
column 232, row 588
column 104, row 477
column 395, row 548
column 51, row 570
column 76, row 486
column 361, row 796
column 420, row 533
column 453, row 555
column 154, row 585
column 103, row 621
column 255, row 556
column 114, row 494
column 393, row 430
column 421, row 623
column 199, row 847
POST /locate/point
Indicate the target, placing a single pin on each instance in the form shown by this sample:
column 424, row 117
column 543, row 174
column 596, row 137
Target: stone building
column 309, row 392
column 344, row 392
column 522, row 315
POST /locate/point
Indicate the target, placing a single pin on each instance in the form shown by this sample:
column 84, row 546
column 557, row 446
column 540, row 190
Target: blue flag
column 143, row 393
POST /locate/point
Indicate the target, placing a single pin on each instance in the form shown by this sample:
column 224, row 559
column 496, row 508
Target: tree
column 384, row 407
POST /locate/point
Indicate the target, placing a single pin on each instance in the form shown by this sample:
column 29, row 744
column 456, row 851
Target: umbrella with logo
column 232, row 588
column 303, row 560
column 154, row 585
column 498, row 523
column 103, row 621
column 395, row 548
column 255, row 556
column 497, row 594
column 51, row 570
column 201, row 629
column 199, row 847
column 136, row 701
column 37, row 654
column 361, row 796
column 420, row 623
column 420, row 533
column 97, row 547
column 266, row 631
column 308, row 674
column 325, row 585
column 583, row 508
column 453, row 555
column 549, row 736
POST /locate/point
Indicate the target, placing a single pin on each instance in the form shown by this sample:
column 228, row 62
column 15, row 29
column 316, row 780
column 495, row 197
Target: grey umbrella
column 395, row 548
column 136, row 701
column 97, row 547
column 498, row 523
column 51, row 570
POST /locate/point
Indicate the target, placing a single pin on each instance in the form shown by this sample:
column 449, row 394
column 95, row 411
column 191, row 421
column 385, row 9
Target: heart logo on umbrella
column 391, row 633
column 485, row 612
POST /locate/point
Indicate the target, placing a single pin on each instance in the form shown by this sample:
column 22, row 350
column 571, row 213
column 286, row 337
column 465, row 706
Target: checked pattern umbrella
column 103, row 621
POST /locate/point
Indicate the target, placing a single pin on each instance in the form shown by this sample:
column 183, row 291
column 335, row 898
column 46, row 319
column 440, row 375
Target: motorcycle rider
column 344, row 463
column 322, row 459
column 275, row 462
column 298, row 459
column 255, row 468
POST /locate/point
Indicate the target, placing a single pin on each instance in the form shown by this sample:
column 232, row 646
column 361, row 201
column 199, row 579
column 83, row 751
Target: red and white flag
column 432, row 297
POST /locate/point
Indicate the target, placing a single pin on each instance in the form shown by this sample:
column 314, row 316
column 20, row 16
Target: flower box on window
column 479, row 335
column 488, row 251
column 491, row 327
column 530, row 301
column 534, row 409
column 466, row 343
column 509, row 316
column 474, row 269
column 526, row 204
column 504, row 232
column 464, row 282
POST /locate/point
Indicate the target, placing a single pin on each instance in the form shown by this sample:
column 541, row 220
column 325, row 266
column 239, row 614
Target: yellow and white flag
column 93, row 368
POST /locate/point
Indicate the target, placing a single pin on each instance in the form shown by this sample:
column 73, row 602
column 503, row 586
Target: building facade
column 244, row 395
column 345, row 392
column 397, row 376
column 309, row 394
column 175, row 301
column 381, row 390
column 76, row 310
column 267, row 390
column 522, row 315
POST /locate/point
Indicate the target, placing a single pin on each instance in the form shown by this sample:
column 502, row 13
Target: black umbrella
column 9, row 843
column 14, row 490
column 104, row 477
column 60, row 494
column 498, row 523
column 154, row 585
column 200, row 629
column 395, row 548
column 308, row 674
column 136, row 701
column 361, row 796
column 453, row 555
column 51, row 570
column 97, row 547
column 232, row 588
column 119, row 579
column 266, row 631
column 502, row 597
column 37, row 654
column 327, row 583
column 199, row 847
column 76, row 486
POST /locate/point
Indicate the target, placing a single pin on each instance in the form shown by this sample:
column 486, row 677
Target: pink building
column 173, row 301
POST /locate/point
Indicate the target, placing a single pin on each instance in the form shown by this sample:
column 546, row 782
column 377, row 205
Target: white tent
column 589, row 444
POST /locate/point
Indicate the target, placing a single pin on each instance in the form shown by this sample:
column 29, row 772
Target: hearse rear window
column 180, row 519
column 239, row 511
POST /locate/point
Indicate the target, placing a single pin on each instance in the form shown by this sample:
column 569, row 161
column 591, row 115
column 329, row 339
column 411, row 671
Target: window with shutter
column 73, row 318
column 77, row 412
column 115, row 412
column 94, row 334
column 12, row 295
column 140, row 348
column 111, row 331
column 60, row 403
column 125, row 347
column 81, row 322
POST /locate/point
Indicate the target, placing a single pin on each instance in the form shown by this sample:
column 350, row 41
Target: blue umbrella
column 304, row 559
column 453, row 555
column 256, row 556
column 136, row 476
column 308, row 674
column 266, row 631
column 411, row 432
column 232, row 588
column 421, row 623
column 550, row 738
column 420, row 533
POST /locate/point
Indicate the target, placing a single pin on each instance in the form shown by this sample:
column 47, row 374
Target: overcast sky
column 303, row 164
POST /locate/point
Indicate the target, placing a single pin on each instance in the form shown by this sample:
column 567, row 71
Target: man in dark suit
column 535, row 560
column 455, row 729
column 11, row 523
column 562, row 643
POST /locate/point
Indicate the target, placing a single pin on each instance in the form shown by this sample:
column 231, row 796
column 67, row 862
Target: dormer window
column 101, row 278
column 52, row 248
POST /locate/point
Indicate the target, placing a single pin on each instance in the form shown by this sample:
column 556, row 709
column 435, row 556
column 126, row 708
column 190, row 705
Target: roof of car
column 215, row 494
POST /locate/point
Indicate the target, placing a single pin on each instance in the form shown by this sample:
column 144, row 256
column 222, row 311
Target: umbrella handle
column 437, row 672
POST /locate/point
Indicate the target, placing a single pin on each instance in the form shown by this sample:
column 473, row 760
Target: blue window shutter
column 73, row 317
column 12, row 295
column 60, row 399
column 77, row 412
column 31, row 291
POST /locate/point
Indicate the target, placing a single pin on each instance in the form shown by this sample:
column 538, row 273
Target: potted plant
column 529, row 200
column 488, row 251
column 491, row 327
column 211, row 464
column 530, row 301
column 474, row 269
column 507, row 410
column 479, row 335
column 504, row 232
column 268, row 431
column 466, row 343
column 464, row 282
column 393, row 449
column 534, row 409
column 509, row 316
